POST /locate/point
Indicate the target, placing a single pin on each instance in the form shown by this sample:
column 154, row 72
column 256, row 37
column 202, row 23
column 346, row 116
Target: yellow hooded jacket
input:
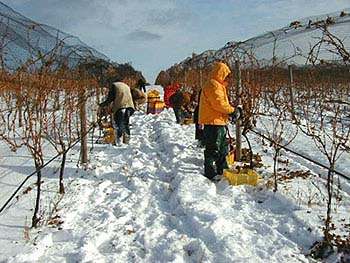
column 214, row 106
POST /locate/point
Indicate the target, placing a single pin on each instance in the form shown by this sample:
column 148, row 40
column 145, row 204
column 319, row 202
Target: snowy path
column 147, row 202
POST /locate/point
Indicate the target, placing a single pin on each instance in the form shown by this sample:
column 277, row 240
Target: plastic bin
column 153, row 98
column 153, row 95
column 230, row 158
column 241, row 176
column 109, row 135
column 155, row 107
column 187, row 121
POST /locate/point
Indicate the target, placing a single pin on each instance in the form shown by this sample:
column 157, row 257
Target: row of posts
column 238, row 94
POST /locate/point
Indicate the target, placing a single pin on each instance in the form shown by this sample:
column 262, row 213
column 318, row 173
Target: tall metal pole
column 238, row 153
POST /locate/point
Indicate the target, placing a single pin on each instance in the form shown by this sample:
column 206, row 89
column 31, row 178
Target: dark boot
column 209, row 164
column 126, row 139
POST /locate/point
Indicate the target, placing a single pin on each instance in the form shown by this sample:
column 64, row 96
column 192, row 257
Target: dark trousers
column 199, row 133
column 216, row 150
column 178, row 115
column 121, row 121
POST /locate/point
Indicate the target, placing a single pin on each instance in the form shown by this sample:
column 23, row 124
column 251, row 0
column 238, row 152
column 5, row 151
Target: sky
column 153, row 35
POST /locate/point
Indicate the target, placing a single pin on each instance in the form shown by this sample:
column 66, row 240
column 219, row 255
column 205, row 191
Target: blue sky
column 155, row 34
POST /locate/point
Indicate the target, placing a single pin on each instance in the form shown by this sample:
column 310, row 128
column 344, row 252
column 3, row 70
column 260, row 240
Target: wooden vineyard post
column 19, row 103
column 83, row 128
column 238, row 153
column 291, row 84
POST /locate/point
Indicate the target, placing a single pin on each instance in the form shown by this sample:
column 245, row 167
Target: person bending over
column 123, row 107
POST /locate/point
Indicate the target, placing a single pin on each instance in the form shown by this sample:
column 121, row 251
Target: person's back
column 123, row 98
column 180, row 101
column 176, row 99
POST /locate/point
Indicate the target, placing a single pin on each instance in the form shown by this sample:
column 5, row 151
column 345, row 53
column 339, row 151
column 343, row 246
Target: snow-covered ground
column 148, row 202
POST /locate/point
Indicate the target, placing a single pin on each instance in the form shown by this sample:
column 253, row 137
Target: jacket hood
column 219, row 72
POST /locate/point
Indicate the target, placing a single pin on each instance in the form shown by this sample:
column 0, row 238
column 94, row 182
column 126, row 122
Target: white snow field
column 148, row 202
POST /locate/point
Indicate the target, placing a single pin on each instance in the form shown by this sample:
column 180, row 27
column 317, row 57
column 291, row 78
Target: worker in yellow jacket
column 214, row 112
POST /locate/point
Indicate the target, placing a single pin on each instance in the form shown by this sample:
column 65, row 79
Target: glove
column 237, row 113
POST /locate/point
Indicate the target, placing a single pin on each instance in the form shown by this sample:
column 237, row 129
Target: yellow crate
column 230, row 158
column 187, row 121
column 153, row 98
column 155, row 107
column 153, row 95
column 242, row 176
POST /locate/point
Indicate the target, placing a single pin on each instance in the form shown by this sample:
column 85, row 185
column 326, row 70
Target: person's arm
column 110, row 97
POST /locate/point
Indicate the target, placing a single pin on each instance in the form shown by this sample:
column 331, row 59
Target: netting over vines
column 25, row 42
column 318, row 49
column 312, row 40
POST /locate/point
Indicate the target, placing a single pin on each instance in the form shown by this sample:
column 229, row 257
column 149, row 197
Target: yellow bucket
column 241, row 176
column 109, row 139
column 110, row 131
column 109, row 135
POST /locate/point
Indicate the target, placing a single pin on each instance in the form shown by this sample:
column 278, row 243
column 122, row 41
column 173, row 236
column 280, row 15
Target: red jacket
column 168, row 92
